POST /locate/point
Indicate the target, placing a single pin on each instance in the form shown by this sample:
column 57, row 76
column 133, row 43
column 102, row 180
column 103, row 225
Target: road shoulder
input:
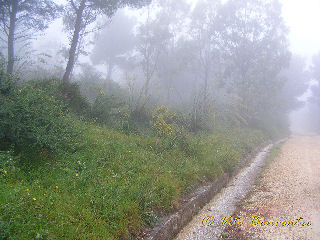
column 284, row 202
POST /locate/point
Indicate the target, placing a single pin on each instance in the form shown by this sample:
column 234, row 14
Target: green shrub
column 178, row 140
column 68, row 93
column 30, row 116
column 163, row 121
column 109, row 110
column 113, row 187
column 7, row 82
column 273, row 125
column 140, row 115
column 94, row 87
column 72, row 96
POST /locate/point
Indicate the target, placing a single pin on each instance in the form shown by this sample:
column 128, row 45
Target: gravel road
column 224, row 204
column 283, row 204
column 288, row 189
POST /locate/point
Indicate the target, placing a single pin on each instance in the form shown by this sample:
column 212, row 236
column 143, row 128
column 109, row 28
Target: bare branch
column 73, row 5
column 2, row 39
column 98, row 28
column 3, row 20
column 5, row 30
column 26, row 36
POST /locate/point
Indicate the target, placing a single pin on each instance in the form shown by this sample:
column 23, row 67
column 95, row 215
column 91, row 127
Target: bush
column 7, row 82
column 109, row 109
column 68, row 93
column 72, row 96
column 30, row 116
column 178, row 140
column 93, row 87
column 274, row 125
column 163, row 121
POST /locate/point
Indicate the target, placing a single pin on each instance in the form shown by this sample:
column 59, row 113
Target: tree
column 206, row 59
column 20, row 18
column 205, row 36
column 314, row 100
column 152, row 41
column 255, row 44
column 81, row 13
column 315, row 71
column 297, row 80
column 114, row 42
column 172, row 16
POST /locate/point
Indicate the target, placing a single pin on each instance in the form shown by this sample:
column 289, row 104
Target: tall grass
column 114, row 185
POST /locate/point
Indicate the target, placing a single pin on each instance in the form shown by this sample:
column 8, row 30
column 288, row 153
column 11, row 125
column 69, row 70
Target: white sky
column 303, row 18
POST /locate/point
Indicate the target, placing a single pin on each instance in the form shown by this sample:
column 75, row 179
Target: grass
column 224, row 235
column 114, row 186
column 275, row 152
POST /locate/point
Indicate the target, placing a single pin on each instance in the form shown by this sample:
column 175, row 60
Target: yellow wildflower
column 129, row 151
column 79, row 162
column 28, row 190
column 57, row 187
column 34, row 199
column 5, row 172
column 39, row 186
column 77, row 174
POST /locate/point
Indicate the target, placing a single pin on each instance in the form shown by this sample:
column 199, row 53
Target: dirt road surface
column 284, row 202
column 288, row 189
column 224, row 203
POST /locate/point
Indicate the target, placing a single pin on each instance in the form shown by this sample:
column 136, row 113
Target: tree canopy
column 21, row 18
column 81, row 13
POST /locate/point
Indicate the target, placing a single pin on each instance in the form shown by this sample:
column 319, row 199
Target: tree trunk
column 12, row 27
column 74, row 43
column 205, row 91
column 110, row 69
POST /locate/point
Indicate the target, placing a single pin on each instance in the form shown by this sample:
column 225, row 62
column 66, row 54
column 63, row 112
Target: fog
column 305, row 120
column 300, row 17
column 115, row 114
column 244, row 62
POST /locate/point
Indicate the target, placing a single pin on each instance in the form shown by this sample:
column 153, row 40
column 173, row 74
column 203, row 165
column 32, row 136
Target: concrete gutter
column 171, row 226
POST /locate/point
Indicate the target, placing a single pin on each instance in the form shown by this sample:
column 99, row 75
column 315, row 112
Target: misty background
column 123, row 107
column 156, row 45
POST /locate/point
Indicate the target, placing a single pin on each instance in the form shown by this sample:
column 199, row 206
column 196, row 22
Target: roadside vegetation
column 64, row 175
column 187, row 91
column 275, row 152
